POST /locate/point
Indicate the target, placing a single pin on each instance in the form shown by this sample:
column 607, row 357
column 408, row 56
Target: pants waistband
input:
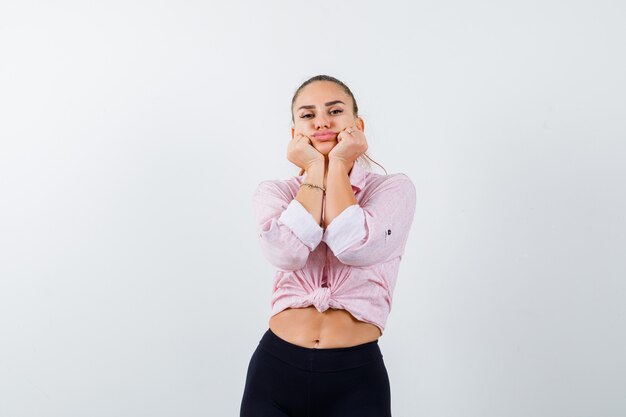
column 320, row 360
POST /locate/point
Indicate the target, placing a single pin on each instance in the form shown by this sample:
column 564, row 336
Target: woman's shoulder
column 394, row 180
column 283, row 186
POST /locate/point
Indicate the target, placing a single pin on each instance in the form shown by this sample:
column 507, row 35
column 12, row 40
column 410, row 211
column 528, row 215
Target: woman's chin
column 326, row 146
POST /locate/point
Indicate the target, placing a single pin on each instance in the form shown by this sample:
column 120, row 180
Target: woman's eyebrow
column 330, row 103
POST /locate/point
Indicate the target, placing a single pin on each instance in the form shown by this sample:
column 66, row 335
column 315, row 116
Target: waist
column 334, row 328
column 320, row 360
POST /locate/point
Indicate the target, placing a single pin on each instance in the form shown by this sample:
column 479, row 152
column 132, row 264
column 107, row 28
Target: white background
column 132, row 135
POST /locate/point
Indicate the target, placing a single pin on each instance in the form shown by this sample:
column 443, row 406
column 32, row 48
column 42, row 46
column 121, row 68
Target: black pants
column 288, row 380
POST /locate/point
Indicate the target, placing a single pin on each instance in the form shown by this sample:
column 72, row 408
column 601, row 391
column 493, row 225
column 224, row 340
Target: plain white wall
column 134, row 133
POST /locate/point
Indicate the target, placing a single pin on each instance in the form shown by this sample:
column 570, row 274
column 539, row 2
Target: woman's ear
column 360, row 124
column 292, row 132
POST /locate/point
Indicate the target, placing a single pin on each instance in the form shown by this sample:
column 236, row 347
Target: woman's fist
column 351, row 144
column 302, row 153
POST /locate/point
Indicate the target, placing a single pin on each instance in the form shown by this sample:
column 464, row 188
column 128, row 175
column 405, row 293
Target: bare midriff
column 333, row 328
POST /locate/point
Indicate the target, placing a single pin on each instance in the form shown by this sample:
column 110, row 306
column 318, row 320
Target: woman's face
column 321, row 111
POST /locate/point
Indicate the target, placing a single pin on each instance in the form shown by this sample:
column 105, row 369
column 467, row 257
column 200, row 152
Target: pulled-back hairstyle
column 355, row 110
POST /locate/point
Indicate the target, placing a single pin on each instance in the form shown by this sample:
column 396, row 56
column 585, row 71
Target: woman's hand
column 302, row 153
column 349, row 146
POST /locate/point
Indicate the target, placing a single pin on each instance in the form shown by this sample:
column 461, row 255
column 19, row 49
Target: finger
column 304, row 138
column 357, row 134
column 348, row 132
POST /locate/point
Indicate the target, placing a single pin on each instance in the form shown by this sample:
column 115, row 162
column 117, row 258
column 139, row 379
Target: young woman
column 336, row 234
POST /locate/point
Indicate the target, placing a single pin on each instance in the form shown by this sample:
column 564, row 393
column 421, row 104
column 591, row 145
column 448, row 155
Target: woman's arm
column 339, row 194
column 376, row 231
column 289, row 227
column 311, row 197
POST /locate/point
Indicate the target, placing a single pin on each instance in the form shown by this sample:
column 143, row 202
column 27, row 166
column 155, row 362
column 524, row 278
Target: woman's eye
column 306, row 116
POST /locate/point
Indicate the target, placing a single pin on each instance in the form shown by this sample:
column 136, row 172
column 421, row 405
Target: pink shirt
column 352, row 264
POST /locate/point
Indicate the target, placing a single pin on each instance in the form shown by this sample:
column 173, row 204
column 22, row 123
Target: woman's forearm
column 339, row 194
column 311, row 197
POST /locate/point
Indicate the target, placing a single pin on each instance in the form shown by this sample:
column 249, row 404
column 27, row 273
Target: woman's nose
column 321, row 122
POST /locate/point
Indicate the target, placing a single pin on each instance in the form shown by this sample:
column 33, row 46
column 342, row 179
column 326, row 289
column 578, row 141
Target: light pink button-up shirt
column 352, row 264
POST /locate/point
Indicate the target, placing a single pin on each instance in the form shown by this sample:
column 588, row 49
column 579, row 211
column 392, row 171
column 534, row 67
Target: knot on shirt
column 320, row 298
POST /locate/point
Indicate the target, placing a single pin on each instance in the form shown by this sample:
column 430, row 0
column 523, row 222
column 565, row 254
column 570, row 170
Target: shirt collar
column 357, row 176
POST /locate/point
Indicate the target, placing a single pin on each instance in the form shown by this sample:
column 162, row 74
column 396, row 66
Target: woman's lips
column 327, row 136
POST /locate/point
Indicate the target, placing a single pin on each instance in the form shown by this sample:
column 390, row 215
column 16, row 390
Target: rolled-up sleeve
column 377, row 230
column 287, row 231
